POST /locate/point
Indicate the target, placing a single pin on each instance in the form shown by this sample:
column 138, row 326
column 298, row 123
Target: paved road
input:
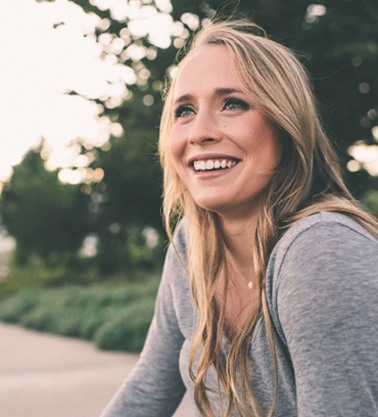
column 43, row 375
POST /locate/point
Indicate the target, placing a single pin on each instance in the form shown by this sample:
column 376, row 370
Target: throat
column 237, row 301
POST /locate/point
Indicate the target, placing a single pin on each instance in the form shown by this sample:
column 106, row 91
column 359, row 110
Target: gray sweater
column 322, row 289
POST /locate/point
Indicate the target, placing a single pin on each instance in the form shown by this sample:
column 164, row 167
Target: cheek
column 172, row 145
column 268, row 146
column 271, row 156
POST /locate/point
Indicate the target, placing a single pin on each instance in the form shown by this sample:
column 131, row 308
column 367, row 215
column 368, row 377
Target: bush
column 35, row 276
column 126, row 329
column 17, row 306
column 116, row 315
column 371, row 201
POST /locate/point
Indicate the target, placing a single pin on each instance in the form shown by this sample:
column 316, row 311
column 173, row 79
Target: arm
column 328, row 310
column 155, row 387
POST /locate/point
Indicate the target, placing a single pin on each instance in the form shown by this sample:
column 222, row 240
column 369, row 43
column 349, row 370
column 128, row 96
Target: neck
column 239, row 236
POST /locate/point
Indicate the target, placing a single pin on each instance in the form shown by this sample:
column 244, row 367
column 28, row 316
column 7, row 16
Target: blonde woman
column 268, row 304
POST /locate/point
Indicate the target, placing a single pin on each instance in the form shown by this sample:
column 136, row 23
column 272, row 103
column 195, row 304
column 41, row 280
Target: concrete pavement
column 43, row 375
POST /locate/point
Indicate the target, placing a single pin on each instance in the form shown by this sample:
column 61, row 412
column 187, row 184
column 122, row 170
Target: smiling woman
column 216, row 124
column 269, row 286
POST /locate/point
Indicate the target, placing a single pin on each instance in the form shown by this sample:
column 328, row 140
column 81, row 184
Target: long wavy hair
column 308, row 180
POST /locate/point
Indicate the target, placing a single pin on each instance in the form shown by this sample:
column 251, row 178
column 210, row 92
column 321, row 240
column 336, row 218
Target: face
column 224, row 149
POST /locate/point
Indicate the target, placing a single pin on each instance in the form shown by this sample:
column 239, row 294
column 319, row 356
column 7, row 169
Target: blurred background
column 81, row 238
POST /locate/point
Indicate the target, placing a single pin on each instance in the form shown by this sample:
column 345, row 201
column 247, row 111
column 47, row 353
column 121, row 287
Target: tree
column 338, row 42
column 130, row 196
column 48, row 219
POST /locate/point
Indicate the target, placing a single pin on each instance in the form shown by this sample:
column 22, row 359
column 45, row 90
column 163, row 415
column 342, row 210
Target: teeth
column 211, row 164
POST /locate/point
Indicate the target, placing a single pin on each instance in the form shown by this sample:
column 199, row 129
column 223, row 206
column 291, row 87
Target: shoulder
column 323, row 262
column 326, row 222
column 323, row 234
column 177, row 250
column 175, row 270
column 174, row 287
column 322, row 287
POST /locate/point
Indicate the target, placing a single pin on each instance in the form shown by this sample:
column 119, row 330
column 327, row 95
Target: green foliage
column 47, row 219
column 131, row 197
column 127, row 328
column 37, row 274
column 371, row 201
column 337, row 41
column 339, row 48
column 132, row 172
column 116, row 316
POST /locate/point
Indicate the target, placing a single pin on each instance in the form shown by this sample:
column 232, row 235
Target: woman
column 268, row 301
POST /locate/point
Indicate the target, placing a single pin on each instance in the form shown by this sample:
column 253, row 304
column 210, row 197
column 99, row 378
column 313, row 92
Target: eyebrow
column 220, row 92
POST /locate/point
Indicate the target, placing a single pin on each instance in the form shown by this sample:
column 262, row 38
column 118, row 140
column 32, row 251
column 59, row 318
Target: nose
column 203, row 129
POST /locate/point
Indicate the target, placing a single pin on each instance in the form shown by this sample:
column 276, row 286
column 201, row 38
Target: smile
column 213, row 164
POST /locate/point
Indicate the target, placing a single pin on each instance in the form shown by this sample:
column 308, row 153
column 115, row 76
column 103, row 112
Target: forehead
column 211, row 66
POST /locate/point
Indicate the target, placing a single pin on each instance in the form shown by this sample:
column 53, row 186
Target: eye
column 183, row 110
column 233, row 103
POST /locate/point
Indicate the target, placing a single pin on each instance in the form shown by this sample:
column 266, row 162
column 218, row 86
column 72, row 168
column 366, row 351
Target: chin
column 211, row 205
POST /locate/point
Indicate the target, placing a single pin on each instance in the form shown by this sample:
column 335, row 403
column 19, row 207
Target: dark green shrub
column 115, row 315
column 126, row 329
column 14, row 308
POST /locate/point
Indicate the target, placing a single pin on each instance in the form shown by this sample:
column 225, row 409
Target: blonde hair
column 308, row 180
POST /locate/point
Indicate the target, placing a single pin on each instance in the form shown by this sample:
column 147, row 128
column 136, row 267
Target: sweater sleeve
column 155, row 387
column 327, row 303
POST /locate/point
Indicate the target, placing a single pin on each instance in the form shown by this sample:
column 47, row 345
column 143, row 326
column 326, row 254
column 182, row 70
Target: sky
column 40, row 64
column 49, row 49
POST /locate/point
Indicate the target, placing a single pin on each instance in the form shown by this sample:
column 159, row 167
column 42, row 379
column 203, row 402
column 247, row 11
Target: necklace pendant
column 250, row 285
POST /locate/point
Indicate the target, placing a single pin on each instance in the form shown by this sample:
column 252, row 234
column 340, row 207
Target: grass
column 114, row 315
